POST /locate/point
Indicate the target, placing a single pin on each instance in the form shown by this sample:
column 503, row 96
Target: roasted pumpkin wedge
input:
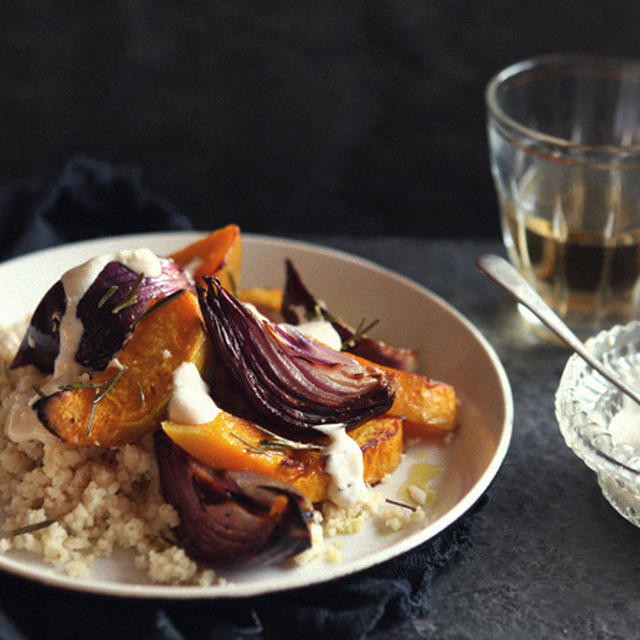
column 125, row 402
column 425, row 404
column 218, row 254
column 267, row 300
column 232, row 443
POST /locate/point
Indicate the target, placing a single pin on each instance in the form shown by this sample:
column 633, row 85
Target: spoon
column 504, row 274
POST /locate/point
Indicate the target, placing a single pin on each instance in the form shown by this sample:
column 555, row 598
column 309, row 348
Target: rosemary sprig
column 81, row 385
column 108, row 293
column 233, row 282
column 100, row 394
column 170, row 539
column 161, row 303
column 404, row 505
column 7, row 370
column 275, row 443
column 131, row 299
column 360, row 331
column 36, row 526
column 30, row 528
column 252, row 448
column 110, row 385
column 38, row 390
column 140, row 394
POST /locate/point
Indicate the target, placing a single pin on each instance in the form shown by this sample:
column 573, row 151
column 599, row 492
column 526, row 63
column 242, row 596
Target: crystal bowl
column 585, row 404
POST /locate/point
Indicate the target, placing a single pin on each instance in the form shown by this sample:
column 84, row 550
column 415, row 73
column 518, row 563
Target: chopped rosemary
column 276, row 443
column 92, row 415
column 161, row 303
column 38, row 390
column 100, row 394
column 109, row 385
column 170, row 540
column 131, row 299
column 30, row 528
column 36, row 526
column 108, row 293
column 362, row 330
column 141, row 394
column 233, row 283
column 404, row 505
column 81, row 385
column 252, row 448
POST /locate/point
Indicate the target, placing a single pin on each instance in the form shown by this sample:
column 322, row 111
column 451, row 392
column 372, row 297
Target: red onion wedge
column 108, row 310
column 296, row 296
column 41, row 342
column 292, row 382
column 232, row 518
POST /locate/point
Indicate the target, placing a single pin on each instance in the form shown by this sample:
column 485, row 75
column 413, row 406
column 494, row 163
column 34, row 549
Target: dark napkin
column 90, row 199
column 93, row 199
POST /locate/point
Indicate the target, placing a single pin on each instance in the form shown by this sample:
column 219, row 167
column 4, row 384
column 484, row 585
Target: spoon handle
column 507, row 276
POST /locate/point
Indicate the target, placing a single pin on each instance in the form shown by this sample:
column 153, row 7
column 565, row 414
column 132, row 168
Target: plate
column 451, row 349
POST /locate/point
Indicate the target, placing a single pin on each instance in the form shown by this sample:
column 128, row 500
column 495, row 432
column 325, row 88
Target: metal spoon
column 504, row 274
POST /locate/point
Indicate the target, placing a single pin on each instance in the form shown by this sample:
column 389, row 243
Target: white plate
column 451, row 349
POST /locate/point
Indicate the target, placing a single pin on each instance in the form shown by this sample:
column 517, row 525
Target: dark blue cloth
column 92, row 199
column 346, row 609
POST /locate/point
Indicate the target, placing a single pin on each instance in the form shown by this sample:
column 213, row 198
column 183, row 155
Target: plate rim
column 48, row 577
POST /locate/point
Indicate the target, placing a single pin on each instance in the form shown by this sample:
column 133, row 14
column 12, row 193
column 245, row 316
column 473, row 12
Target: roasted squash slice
column 232, row 443
column 267, row 300
column 218, row 254
column 134, row 395
column 425, row 404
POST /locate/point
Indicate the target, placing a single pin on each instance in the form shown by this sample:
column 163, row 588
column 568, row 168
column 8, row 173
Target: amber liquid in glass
column 589, row 279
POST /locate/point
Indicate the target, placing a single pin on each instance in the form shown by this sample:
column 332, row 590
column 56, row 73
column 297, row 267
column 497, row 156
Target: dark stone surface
column 550, row 557
column 286, row 117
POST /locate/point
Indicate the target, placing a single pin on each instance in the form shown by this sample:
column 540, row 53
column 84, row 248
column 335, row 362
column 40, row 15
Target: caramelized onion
column 296, row 296
column 292, row 382
column 108, row 310
column 41, row 342
column 232, row 518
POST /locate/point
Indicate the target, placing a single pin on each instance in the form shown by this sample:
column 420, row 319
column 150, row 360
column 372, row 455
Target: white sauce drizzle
column 345, row 465
column 191, row 402
column 76, row 282
column 22, row 422
column 322, row 331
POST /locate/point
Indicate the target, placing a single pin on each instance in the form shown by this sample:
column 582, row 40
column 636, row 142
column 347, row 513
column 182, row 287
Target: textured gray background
column 341, row 116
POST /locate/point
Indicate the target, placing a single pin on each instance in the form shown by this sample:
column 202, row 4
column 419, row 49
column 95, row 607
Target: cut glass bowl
column 585, row 404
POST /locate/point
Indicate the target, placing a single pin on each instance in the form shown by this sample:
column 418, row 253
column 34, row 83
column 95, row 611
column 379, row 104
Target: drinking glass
column 564, row 141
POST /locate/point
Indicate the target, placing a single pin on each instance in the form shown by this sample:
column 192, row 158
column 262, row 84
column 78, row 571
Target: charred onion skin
column 296, row 296
column 232, row 518
column 41, row 342
column 105, row 326
column 293, row 383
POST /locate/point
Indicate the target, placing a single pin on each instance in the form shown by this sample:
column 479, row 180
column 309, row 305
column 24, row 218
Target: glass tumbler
column 564, row 142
